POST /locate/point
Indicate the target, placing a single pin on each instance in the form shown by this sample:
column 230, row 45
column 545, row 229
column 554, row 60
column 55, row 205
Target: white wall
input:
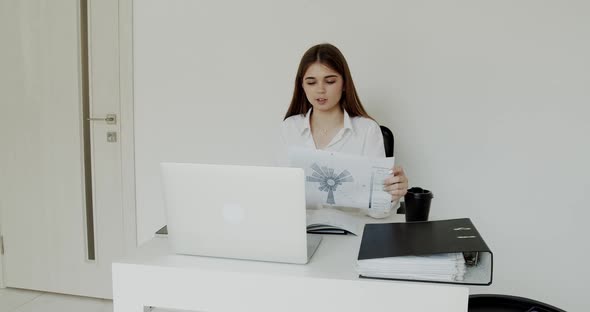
column 488, row 102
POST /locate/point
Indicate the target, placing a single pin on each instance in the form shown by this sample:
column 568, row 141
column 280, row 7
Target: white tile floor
column 19, row 300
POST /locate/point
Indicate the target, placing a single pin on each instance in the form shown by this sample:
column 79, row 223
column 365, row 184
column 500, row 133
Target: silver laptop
column 242, row 212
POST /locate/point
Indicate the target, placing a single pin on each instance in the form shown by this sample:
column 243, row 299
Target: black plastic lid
column 419, row 193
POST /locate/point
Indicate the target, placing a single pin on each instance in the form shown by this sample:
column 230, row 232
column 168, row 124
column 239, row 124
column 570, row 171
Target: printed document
column 337, row 179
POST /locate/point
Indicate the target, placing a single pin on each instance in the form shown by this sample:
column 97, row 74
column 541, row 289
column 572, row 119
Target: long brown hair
column 328, row 55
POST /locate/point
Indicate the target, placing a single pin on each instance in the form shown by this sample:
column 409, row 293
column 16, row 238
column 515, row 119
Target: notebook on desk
column 240, row 212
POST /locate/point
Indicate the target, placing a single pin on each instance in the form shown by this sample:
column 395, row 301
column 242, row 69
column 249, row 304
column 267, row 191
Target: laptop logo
column 233, row 213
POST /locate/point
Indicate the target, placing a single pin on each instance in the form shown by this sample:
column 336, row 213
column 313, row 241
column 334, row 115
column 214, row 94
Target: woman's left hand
column 396, row 184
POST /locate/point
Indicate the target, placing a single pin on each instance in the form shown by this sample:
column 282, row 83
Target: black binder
column 430, row 237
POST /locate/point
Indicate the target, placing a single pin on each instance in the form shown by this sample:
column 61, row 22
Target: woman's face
column 323, row 87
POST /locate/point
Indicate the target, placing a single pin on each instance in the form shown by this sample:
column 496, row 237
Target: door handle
column 110, row 119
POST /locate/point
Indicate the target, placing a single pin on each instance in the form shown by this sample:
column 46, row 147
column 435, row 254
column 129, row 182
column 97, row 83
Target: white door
column 61, row 198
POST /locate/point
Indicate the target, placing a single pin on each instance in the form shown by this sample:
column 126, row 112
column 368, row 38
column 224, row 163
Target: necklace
column 324, row 132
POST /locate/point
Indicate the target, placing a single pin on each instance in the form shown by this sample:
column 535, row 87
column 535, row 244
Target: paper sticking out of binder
column 444, row 251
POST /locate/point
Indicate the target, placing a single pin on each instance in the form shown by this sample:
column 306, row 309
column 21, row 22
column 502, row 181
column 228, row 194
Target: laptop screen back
column 243, row 212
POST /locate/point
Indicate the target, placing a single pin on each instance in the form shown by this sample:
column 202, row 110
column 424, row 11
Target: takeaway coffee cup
column 417, row 204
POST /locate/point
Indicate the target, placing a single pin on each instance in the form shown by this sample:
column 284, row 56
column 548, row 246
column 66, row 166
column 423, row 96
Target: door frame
column 2, row 283
column 127, row 131
column 127, row 123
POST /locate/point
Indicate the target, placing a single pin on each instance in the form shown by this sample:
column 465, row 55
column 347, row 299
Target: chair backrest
column 507, row 303
column 388, row 141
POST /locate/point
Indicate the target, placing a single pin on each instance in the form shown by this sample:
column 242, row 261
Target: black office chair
column 387, row 141
column 505, row 303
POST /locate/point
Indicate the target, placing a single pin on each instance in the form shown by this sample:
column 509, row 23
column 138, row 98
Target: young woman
column 326, row 113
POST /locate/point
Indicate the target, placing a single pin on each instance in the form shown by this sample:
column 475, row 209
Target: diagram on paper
column 328, row 180
column 337, row 179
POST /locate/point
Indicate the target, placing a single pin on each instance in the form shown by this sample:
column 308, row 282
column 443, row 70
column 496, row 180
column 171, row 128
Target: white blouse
column 360, row 136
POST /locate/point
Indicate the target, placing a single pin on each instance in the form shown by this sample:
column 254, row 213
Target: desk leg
column 123, row 306
column 126, row 291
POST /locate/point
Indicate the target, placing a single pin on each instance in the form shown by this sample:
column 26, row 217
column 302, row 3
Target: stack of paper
column 334, row 221
column 445, row 267
column 325, row 229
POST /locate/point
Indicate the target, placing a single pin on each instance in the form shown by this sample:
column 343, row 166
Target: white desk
column 152, row 276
